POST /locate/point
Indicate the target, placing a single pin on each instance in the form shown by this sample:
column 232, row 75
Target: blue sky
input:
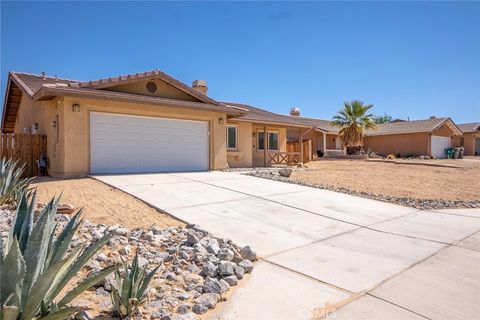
column 409, row 59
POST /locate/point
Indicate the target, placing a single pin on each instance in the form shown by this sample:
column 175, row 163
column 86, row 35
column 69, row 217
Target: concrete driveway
column 326, row 253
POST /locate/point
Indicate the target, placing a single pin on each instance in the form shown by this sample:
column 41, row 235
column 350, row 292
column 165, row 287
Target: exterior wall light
column 220, row 121
column 75, row 107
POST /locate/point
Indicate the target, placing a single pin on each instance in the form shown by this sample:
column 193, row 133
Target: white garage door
column 124, row 143
column 439, row 144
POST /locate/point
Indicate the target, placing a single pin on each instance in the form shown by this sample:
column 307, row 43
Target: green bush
column 36, row 263
column 10, row 181
column 130, row 291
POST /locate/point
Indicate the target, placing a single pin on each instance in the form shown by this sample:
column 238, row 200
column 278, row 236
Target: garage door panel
column 123, row 143
column 438, row 146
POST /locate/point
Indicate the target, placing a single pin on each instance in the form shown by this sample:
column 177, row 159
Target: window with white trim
column 231, row 137
column 272, row 140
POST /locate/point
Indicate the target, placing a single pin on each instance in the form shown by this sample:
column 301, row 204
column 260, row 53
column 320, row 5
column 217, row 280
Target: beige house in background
column 413, row 138
column 470, row 138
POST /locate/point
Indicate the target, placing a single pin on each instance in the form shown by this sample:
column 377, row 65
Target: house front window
column 231, row 137
column 272, row 141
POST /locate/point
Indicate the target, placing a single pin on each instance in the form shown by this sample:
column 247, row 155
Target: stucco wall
column 73, row 150
column 258, row 155
column 163, row 90
column 44, row 113
column 242, row 156
column 443, row 131
column 405, row 144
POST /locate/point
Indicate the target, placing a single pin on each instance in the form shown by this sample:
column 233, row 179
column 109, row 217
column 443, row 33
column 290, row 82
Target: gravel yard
column 102, row 203
column 424, row 184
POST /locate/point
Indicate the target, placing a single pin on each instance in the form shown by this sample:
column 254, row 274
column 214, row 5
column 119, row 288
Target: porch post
column 324, row 144
column 301, row 147
column 265, row 146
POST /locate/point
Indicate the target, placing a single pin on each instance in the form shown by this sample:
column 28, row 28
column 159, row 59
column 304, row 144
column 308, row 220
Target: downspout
column 301, row 143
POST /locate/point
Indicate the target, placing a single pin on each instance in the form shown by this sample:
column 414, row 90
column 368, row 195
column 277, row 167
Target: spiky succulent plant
column 11, row 181
column 131, row 287
column 36, row 263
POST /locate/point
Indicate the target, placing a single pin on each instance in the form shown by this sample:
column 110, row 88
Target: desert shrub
column 10, row 180
column 391, row 156
column 36, row 263
column 130, row 289
column 351, row 150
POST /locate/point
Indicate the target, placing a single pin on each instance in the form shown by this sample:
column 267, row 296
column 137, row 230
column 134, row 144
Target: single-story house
column 142, row 122
column 427, row 137
column 286, row 129
column 470, row 138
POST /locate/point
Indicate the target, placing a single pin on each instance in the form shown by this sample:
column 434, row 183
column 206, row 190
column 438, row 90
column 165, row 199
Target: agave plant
column 130, row 291
column 10, row 180
column 36, row 263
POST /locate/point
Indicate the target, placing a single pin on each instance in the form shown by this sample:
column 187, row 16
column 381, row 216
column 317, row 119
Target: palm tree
column 353, row 120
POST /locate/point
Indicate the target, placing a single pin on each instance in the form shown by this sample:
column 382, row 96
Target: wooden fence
column 283, row 157
column 294, row 146
column 26, row 148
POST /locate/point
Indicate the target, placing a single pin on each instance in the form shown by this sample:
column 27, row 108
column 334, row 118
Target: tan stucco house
column 470, row 138
column 427, row 137
column 142, row 122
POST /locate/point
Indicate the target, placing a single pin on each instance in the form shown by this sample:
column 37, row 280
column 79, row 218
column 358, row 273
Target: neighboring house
column 413, row 138
column 470, row 138
column 142, row 122
column 245, row 138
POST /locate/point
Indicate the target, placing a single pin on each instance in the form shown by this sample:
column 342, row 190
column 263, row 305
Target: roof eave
column 272, row 123
column 48, row 93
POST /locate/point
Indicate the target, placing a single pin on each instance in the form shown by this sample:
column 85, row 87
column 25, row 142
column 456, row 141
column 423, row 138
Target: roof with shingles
column 469, row 127
column 34, row 85
column 427, row 125
column 256, row 114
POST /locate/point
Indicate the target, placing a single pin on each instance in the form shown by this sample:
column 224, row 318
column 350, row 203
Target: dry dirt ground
column 102, row 203
column 419, row 179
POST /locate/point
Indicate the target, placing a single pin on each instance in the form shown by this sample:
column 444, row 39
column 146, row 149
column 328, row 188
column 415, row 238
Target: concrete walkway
column 325, row 253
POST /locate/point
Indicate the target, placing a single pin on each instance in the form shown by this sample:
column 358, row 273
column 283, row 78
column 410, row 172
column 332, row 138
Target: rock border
column 423, row 204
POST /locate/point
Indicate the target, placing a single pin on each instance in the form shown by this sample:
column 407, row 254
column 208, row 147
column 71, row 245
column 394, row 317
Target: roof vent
column 200, row 86
column 151, row 86
column 295, row 111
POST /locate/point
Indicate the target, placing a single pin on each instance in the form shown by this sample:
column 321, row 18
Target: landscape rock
column 248, row 253
column 231, row 280
column 285, row 172
column 247, row 265
column 225, row 268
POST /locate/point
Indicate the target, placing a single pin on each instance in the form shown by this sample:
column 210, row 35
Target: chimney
column 295, row 111
column 200, row 86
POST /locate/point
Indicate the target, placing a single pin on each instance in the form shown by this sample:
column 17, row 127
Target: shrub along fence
column 26, row 148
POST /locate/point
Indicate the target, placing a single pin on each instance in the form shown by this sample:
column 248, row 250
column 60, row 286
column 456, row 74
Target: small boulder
column 231, row 280
column 285, row 172
column 248, row 253
column 225, row 268
column 247, row 265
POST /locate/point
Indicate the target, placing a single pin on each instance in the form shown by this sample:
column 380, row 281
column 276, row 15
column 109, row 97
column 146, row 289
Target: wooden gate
column 294, row 146
column 26, row 148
